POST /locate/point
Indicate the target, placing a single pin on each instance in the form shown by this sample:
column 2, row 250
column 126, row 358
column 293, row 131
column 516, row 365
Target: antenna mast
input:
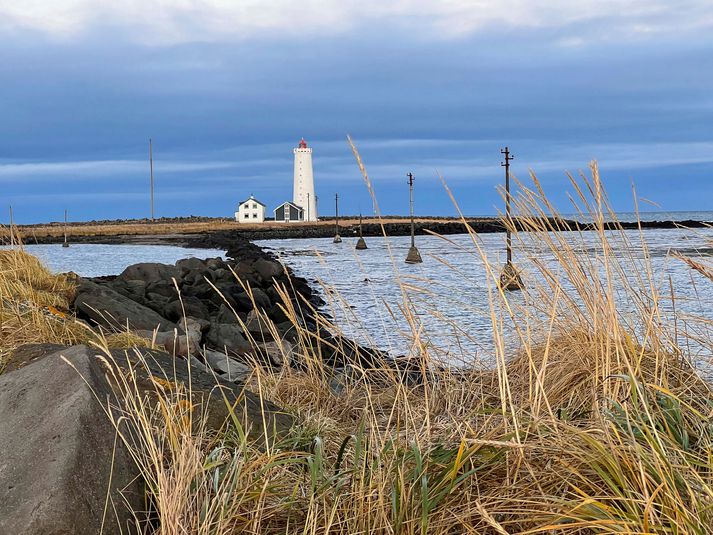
column 151, row 168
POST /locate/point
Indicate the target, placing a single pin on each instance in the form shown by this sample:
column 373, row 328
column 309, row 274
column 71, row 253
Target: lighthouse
column 303, row 192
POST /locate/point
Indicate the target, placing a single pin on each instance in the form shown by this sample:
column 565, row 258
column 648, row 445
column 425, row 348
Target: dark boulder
column 186, row 306
column 105, row 307
column 268, row 269
column 156, row 302
column 243, row 303
column 226, row 315
column 191, row 264
column 227, row 337
column 162, row 287
column 150, row 272
column 261, row 299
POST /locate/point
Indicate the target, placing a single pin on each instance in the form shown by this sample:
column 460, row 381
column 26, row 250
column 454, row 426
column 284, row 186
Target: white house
column 250, row 211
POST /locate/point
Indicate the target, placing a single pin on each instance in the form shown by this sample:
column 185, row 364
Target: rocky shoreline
column 224, row 314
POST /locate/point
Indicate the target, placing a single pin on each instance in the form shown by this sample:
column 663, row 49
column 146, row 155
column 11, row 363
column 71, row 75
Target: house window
column 255, row 216
column 254, row 206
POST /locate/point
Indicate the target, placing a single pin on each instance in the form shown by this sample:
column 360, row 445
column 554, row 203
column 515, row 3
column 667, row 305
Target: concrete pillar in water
column 361, row 243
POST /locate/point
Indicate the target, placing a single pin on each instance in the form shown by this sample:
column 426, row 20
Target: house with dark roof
column 289, row 212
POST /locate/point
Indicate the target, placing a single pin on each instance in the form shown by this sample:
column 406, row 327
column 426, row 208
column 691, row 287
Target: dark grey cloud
column 224, row 116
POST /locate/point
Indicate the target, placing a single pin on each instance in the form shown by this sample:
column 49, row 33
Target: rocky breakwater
column 222, row 315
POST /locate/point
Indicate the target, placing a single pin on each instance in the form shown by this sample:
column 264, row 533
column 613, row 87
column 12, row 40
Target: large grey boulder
column 61, row 457
column 57, row 443
column 268, row 269
column 228, row 337
column 222, row 363
column 111, row 310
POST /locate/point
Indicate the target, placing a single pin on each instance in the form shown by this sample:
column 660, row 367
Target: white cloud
column 175, row 21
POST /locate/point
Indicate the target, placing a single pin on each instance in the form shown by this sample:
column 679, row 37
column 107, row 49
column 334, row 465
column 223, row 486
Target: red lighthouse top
column 303, row 143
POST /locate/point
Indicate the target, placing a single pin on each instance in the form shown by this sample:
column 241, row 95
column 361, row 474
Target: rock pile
column 214, row 309
column 224, row 313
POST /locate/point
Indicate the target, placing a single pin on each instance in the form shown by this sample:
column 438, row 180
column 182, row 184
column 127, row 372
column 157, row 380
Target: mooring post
column 510, row 277
column 413, row 256
column 337, row 237
column 361, row 243
column 65, row 243
column 151, row 170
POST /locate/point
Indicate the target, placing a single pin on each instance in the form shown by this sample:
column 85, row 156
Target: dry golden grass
column 596, row 424
column 590, row 427
column 34, row 308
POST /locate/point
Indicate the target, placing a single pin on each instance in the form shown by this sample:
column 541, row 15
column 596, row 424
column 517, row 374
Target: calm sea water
column 448, row 292
column 94, row 260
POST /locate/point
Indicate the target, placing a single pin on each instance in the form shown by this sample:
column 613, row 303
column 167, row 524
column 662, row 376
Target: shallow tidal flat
column 450, row 296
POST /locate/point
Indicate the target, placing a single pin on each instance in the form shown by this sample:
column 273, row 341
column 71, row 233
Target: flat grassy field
column 179, row 226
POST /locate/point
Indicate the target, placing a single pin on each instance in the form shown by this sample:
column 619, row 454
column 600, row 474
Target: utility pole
column 361, row 243
column 510, row 277
column 151, row 167
column 12, row 234
column 337, row 237
column 413, row 256
column 65, row 243
column 508, row 236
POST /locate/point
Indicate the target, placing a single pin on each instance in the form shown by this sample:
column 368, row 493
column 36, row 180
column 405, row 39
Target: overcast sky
column 227, row 88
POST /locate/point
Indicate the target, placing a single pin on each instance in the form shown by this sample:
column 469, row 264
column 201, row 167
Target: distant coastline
column 204, row 232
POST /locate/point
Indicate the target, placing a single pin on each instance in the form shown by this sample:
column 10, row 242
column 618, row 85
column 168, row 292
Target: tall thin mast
column 509, row 277
column 508, row 236
column 413, row 256
column 151, row 167
column 12, row 235
column 337, row 237
column 66, row 243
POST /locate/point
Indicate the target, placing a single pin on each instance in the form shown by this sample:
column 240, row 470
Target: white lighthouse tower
column 303, row 192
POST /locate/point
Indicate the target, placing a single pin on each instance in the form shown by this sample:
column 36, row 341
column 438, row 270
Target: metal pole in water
column 65, row 244
column 413, row 256
column 361, row 243
column 510, row 277
column 337, row 237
